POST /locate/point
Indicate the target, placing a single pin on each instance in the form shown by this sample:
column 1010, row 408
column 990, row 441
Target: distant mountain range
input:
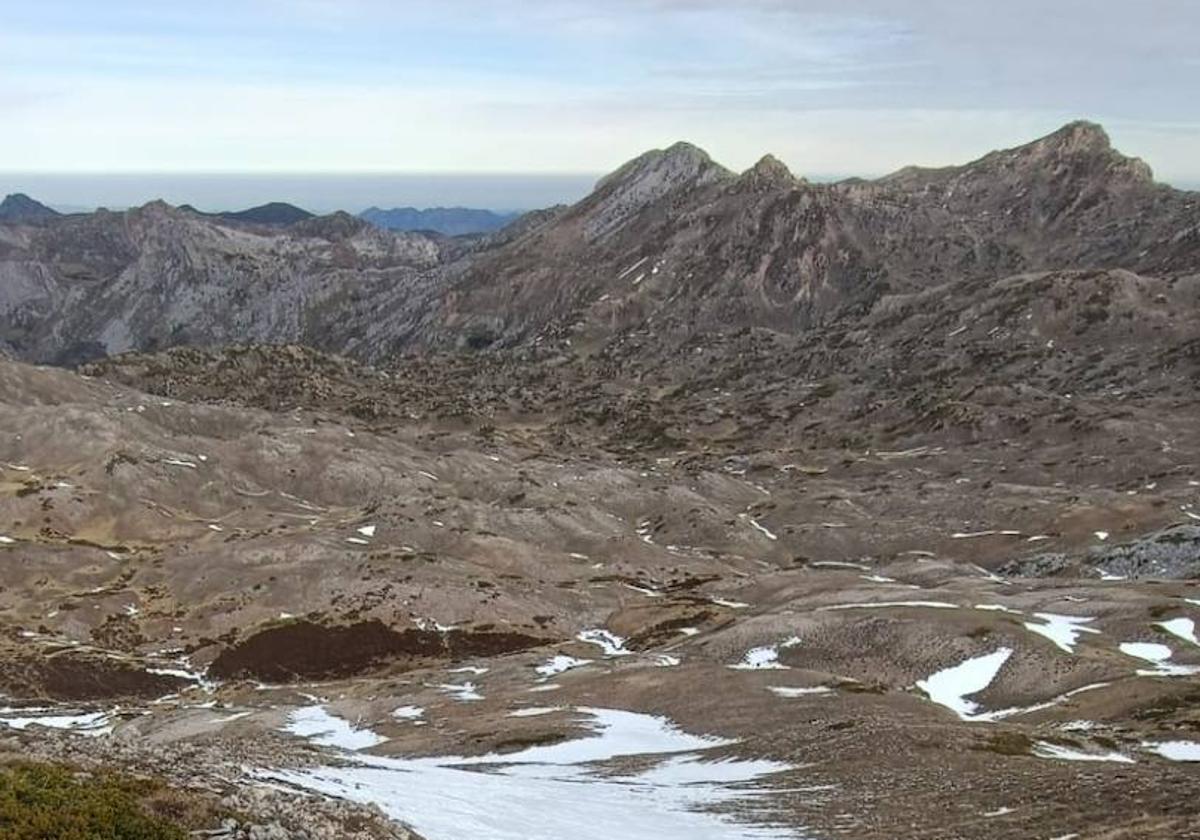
column 451, row 221
column 274, row 213
column 448, row 221
column 672, row 244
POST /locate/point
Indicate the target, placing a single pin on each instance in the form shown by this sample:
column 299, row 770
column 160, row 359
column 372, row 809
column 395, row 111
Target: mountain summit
column 646, row 180
column 19, row 207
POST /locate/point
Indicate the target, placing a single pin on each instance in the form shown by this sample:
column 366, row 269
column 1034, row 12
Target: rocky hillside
column 87, row 286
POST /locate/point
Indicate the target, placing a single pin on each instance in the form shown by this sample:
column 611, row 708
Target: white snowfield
column 553, row 792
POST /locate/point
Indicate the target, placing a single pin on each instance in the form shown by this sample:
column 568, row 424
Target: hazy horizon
column 319, row 192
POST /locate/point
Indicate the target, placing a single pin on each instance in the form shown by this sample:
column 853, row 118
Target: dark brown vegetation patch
column 76, row 678
column 303, row 650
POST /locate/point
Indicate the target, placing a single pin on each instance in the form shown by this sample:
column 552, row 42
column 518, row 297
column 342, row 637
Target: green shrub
column 50, row 802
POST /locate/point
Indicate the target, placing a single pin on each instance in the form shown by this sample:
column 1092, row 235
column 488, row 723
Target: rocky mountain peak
column 644, row 181
column 1083, row 147
column 770, row 173
column 1080, row 135
column 1077, row 157
column 19, row 207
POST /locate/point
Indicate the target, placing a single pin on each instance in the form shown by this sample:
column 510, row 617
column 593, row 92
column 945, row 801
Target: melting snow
column 408, row 713
column 733, row 605
column 320, row 727
column 465, row 693
column 632, row 268
column 951, row 686
column 1044, row 749
column 92, row 723
column 549, row 792
column 1101, row 535
column 646, row 533
column 559, row 664
column 1063, row 630
column 1148, row 651
column 758, row 526
column 785, row 691
column 1176, row 750
column 649, row 593
column 998, row 608
column 940, row 605
column 367, row 530
column 764, row 658
column 1159, row 655
column 6, row 540
column 1184, row 628
column 611, row 644
column 1001, row 714
column 535, row 711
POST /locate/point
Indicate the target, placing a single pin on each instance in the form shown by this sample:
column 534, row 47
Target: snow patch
column 937, row 605
column 786, row 691
column 1184, row 628
column 1044, row 749
column 1063, row 630
column 1176, row 750
column 952, row 686
column 1160, row 655
column 610, row 643
column 560, row 664
column 317, row 725
column 85, row 723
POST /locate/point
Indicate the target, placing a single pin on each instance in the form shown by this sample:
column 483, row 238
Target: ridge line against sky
column 568, row 86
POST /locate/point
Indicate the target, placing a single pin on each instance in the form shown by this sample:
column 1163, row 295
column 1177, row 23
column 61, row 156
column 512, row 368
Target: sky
column 831, row 87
